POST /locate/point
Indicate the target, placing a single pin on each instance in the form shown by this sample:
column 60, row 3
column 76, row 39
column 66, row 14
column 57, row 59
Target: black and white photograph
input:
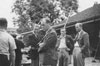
column 49, row 32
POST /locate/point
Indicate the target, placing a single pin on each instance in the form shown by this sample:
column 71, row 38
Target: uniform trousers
column 78, row 58
column 4, row 60
column 63, row 56
column 35, row 62
column 46, row 59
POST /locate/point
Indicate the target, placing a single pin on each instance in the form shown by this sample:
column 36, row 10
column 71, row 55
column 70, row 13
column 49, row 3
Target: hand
column 41, row 44
column 79, row 49
column 67, row 49
column 12, row 64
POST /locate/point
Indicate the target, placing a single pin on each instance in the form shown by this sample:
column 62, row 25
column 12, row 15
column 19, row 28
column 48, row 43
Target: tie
column 76, row 43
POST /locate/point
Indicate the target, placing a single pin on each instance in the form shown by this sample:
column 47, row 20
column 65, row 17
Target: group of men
column 54, row 51
column 46, row 48
column 10, row 47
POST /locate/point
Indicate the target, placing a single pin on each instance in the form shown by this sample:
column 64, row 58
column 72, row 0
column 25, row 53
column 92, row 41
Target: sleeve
column 50, row 42
column 71, row 42
column 58, row 43
column 22, row 44
column 86, row 41
column 12, row 44
column 19, row 44
column 33, row 40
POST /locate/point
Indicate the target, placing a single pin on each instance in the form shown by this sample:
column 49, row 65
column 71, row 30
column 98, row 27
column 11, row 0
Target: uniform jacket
column 48, row 49
column 83, row 41
column 33, row 41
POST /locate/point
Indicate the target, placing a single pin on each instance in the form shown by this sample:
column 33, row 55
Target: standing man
column 81, row 47
column 64, row 47
column 33, row 42
column 7, row 45
column 47, row 50
column 19, row 45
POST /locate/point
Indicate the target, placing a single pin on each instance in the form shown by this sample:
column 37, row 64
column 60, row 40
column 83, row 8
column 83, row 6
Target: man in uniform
column 7, row 45
column 64, row 47
column 47, row 50
column 81, row 47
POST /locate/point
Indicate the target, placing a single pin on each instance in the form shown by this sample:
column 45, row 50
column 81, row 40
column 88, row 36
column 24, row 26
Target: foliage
column 32, row 11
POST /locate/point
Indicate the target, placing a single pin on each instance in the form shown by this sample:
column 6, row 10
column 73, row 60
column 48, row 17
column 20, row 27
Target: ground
column 88, row 62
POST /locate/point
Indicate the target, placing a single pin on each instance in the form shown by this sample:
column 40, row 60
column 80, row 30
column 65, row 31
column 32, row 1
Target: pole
column 59, row 28
column 67, row 18
column 74, row 24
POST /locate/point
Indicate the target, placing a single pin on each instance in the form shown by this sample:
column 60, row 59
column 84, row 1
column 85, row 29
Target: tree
column 32, row 11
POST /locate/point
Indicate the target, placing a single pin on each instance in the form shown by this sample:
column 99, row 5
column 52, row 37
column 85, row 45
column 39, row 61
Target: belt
column 2, row 55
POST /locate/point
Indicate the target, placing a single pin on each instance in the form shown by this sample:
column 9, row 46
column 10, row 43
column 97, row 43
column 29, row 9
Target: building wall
column 92, row 29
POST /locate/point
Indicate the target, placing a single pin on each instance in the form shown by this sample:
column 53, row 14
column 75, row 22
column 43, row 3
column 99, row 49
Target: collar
column 2, row 30
column 80, row 32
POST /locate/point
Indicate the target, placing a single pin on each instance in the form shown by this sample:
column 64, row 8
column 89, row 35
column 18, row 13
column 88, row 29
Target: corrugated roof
column 84, row 16
column 90, row 13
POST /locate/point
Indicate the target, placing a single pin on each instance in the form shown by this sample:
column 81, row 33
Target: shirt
column 62, row 43
column 79, row 34
column 77, row 44
column 7, row 42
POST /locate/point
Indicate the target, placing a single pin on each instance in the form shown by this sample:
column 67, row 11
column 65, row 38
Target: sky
column 84, row 4
column 5, row 8
column 5, row 11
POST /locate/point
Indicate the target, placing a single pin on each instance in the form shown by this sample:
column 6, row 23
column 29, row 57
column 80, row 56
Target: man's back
column 5, row 40
column 7, row 45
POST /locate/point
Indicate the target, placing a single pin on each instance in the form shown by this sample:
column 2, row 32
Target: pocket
column 4, row 59
column 54, row 54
